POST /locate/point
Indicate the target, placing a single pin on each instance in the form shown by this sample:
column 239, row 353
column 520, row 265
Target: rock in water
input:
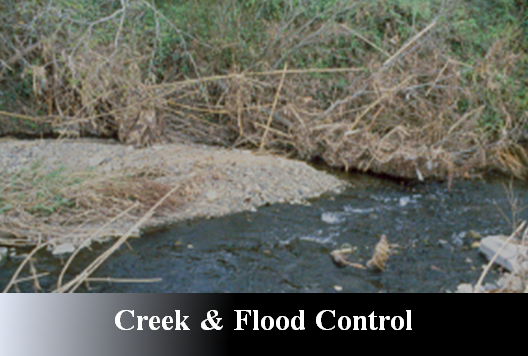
column 63, row 248
column 511, row 256
column 464, row 288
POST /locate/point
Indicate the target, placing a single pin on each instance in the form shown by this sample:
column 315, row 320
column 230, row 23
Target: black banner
column 212, row 324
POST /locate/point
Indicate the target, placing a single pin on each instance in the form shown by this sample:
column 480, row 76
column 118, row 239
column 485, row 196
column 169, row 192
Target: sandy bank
column 87, row 183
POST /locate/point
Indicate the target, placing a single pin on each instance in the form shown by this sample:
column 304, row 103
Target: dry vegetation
column 407, row 88
column 85, row 276
column 48, row 208
column 40, row 204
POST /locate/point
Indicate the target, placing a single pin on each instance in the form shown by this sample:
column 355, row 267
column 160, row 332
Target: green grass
column 38, row 191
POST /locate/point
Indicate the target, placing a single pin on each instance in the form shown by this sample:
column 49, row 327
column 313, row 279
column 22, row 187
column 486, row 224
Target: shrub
column 406, row 87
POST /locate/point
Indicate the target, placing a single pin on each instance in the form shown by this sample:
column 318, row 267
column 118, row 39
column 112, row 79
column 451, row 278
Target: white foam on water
column 318, row 239
column 319, row 236
column 323, row 240
column 351, row 210
column 332, row 218
column 404, row 201
column 380, row 198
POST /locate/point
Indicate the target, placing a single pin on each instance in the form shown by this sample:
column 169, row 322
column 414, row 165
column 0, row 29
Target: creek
column 286, row 248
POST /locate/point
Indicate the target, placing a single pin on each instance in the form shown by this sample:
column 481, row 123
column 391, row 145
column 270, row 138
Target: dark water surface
column 285, row 248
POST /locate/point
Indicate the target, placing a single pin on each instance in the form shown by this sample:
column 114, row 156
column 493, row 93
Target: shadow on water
column 285, row 248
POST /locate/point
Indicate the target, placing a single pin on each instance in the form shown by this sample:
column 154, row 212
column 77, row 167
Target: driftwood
column 382, row 251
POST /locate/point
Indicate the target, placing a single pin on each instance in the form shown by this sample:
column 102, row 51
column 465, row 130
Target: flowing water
column 286, row 248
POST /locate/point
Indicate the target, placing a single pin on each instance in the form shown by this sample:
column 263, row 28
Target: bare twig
column 72, row 285
column 124, row 280
column 23, row 52
column 409, row 43
column 376, row 102
column 25, row 117
column 14, row 278
column 270, row 118
column 88, row 240
column 357, row 34
column 31, row 278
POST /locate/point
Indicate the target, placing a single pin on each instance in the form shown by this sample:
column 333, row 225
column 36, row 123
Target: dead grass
column 84, row 277
column 408, row 109
column 45, row 207
column 39, row 204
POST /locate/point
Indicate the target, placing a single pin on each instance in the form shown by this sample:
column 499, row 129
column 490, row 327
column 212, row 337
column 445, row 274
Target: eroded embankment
column 72, row 190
